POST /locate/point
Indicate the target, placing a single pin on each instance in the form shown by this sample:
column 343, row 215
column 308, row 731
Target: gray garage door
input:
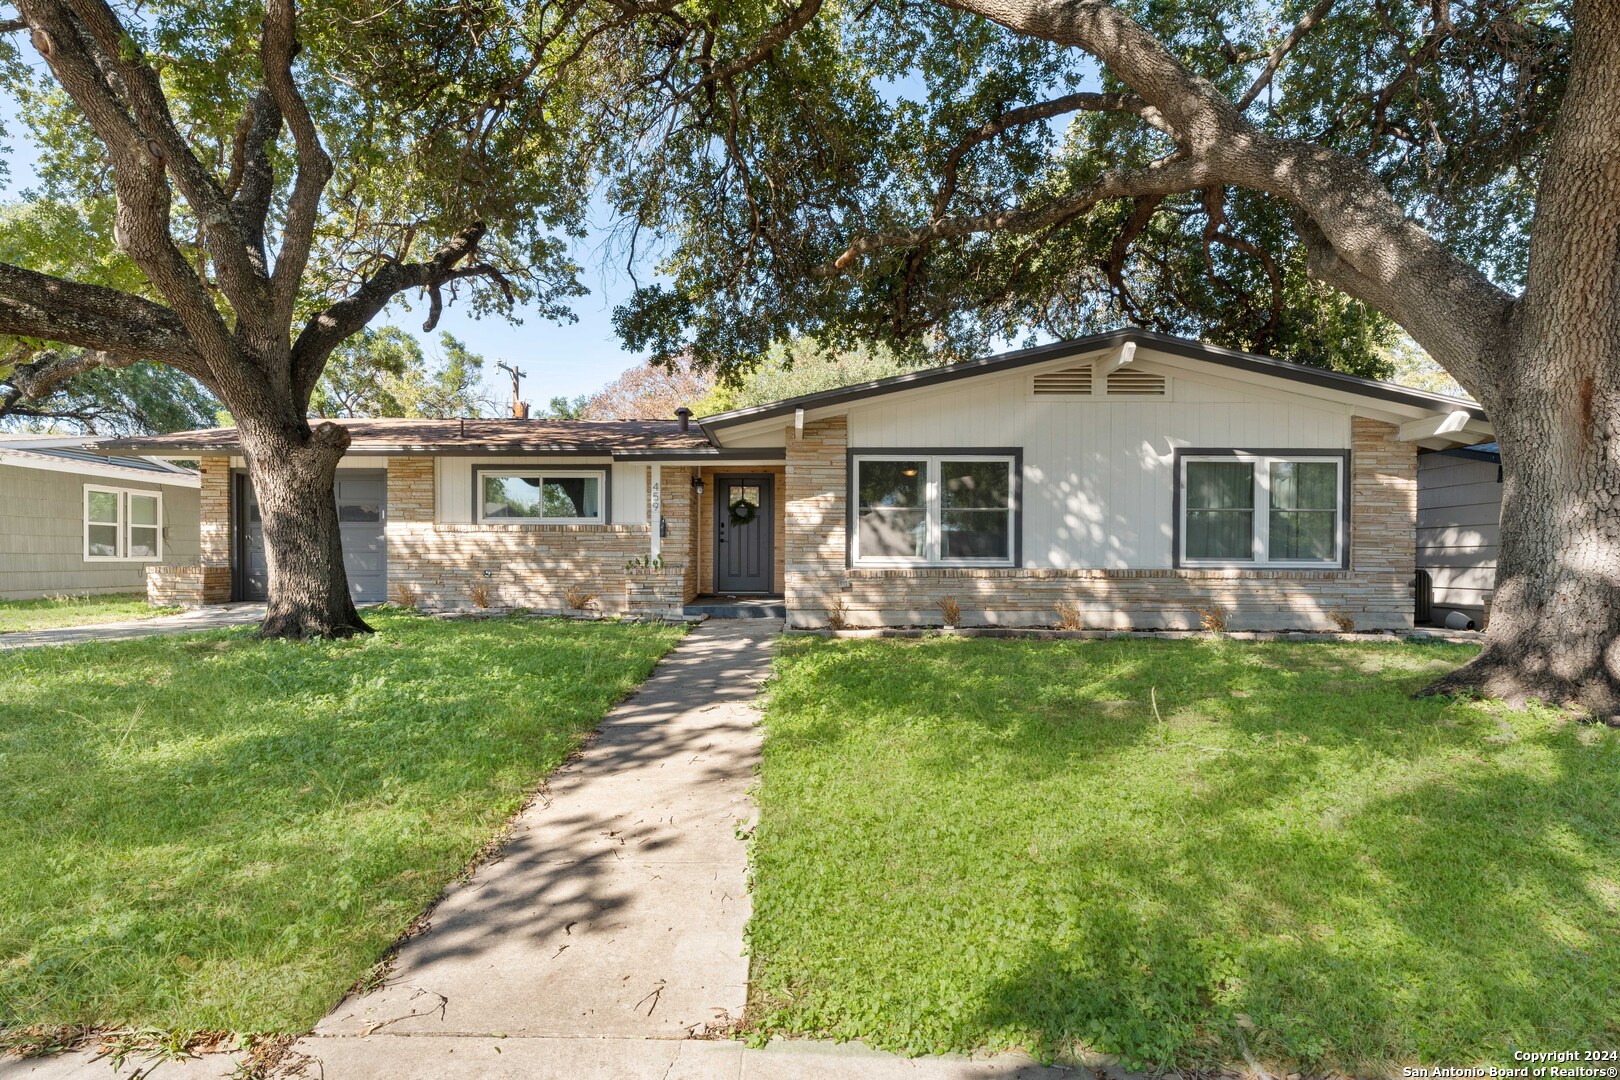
column 361, row 502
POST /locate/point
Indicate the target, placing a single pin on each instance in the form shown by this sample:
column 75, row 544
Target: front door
column 743, row 532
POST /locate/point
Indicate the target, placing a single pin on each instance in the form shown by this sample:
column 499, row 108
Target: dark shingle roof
column 589, row 437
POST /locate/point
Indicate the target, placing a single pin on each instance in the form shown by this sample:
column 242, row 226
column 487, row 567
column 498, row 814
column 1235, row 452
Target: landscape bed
column 1179, row 852
column 217, row 833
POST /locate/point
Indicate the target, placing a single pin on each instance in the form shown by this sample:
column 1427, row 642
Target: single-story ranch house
column 1139, row 476
column 73, row 521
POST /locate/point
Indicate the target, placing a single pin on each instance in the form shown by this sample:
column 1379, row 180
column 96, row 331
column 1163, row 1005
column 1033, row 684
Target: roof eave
column 1332, row 380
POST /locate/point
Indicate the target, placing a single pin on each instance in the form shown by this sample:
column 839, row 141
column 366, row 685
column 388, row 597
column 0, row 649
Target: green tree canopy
column 384, row 372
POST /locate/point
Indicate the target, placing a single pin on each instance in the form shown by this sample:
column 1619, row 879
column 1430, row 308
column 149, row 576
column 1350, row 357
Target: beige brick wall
column 214, row 534
column 814, row 514
column 522, row 565
column 1383, row 489
column 1375, row 592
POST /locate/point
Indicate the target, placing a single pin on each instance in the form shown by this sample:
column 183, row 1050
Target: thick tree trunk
column 1554, row 629
column 293, row 472
column 1553, row 394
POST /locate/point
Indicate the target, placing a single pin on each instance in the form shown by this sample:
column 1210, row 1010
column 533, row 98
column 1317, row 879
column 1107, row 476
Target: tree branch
column 1029, row 114
column 328, row 329
column 1445, row 303
column 277, row 47
column 1284, row 47
column 35, row 305
column 141, row 224
column 1165, row 177
column 242, row 281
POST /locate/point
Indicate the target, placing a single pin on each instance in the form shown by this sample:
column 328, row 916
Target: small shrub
column 1069, row 616
column 478, row 593
column 838, row 615
column 1212, row 619
column 950, row 611
column 1341, row 618
column 406, row 596
column 578, row 598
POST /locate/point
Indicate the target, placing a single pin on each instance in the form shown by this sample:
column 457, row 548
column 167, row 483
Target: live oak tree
column 274, row 180
column 1284, row 176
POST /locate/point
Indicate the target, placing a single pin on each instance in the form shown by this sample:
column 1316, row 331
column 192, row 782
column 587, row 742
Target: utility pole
column 520, row 409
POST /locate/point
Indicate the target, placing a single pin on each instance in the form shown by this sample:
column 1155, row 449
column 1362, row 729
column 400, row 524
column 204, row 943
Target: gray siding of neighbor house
column 42, row 534
column 1459, row 526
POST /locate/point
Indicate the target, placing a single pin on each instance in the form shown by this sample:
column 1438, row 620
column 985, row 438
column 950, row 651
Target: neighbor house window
column 122, row 525
column 1260, row 509
column 941, row 509
column 551, row 496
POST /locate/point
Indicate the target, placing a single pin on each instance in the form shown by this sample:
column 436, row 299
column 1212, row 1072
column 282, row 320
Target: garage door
column 361, row 502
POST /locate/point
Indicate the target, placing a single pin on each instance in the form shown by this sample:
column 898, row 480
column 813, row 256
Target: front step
column 738, row 607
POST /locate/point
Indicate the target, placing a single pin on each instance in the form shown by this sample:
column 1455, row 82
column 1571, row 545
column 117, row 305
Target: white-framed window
column 122, row 524
column 1261, row 509
column 542, row 496
column 939, row 509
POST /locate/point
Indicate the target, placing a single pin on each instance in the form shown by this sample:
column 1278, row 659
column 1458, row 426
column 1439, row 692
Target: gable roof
column 57, row 453
column 598, row 438
column 1165, row 343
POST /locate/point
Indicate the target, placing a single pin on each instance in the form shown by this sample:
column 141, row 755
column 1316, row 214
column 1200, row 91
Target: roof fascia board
column 23, row 459
column 1301, row 374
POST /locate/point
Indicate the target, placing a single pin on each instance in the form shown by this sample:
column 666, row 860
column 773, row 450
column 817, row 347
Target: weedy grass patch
column 219, row 833
column 1176, row 851
column 78, row 610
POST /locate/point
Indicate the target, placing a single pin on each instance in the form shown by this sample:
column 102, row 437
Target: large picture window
column 551, row 496
column 933, row 509
column 1261, row 509
column 122, row 525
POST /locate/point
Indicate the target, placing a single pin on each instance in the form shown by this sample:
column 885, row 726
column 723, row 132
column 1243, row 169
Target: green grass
column 972, row 843
column 80, row 610
column 219, row 833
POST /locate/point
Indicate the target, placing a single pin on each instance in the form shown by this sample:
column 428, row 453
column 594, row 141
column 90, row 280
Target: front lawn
column 80, row 610
column 219, row 833
column 978, row 843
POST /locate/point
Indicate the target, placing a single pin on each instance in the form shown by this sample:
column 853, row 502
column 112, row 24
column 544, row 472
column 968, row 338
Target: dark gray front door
column 743, row 551
column 361, row 501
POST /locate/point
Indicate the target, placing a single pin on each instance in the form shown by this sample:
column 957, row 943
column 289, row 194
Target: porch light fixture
column 697, row 485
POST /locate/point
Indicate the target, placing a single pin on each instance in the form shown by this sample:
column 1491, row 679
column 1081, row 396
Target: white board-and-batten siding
column 454, row 499
column 1098, row 471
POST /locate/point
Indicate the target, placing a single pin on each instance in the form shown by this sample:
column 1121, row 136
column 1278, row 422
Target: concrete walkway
column 618, row 906
column 213, row 617
column 608, row 933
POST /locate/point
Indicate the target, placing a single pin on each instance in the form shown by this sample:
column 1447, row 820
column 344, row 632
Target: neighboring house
column 74, row 521
column 1459, row 527
column 1140, row 476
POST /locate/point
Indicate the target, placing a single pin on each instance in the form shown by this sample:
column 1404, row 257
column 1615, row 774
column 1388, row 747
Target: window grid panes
column 1262, row 510
column 540, row 497
column 122, row 525
column 934, row 509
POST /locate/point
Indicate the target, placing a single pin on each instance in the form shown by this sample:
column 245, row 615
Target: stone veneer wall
column 213, row 582
column 1375, row 592
column 527, row 565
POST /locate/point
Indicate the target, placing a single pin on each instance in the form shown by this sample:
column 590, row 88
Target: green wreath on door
column 743, row 511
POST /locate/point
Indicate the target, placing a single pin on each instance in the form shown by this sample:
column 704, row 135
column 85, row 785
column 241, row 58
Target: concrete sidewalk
column 213, row 617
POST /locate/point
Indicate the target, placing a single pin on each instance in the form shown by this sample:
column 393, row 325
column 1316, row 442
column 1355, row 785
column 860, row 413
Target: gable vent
column 1069, row 381
column 1127, row 382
